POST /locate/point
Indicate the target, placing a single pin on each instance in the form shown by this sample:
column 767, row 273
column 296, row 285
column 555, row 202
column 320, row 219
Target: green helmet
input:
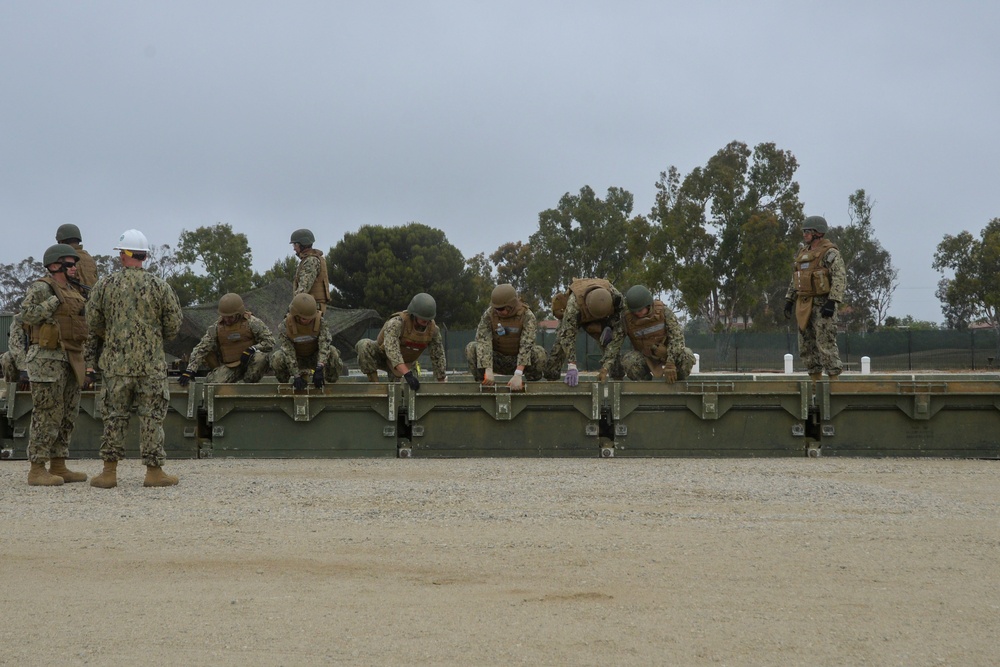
column 504, row 295
column 303, row 305
column 817, row 223
column 638, row 297
column 54, row 253
column 303, row 237
column 231, row 304
column 68, row 231
column 423, row 306
column 599, row 303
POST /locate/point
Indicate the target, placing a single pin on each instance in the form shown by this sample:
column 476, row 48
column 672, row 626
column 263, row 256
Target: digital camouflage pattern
column 259, row 363
column 633, row 365
column 285, row 362
column 480, row 355
column 310, row 269
column 372, row 358
column 564, row 349
column 818, row 340
column 131, row 313
column 17, row 347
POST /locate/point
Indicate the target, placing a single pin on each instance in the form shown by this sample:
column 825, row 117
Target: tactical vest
column 580, row 288
column 234, row 339
column 412, row 342
column 509, row 342
column 648, row 334
column 320, row 290
column 304, row 337
column 70, row 328
column 86, row 267
column 811, row 277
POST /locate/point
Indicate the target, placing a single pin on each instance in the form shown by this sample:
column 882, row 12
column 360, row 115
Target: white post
column 866, row 365
column 788, row 363
column 697, row 363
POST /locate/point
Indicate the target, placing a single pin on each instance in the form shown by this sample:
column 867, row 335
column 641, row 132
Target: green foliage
column 723, row 238
column 14, row 281
column 871, row 277
column 908, row 322
column 282, row 269
column 225, row 257
column 383, row 267
column 973, row 292
column 585, row 237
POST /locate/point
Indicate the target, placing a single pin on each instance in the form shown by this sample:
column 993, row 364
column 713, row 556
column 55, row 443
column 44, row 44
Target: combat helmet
column 423, row 306
column 504, row 296
column 67, row 232
column 57, row 251
column 303, row 305
column 816, row 223
column 231, row 304
column 638, row 297
column 303, row 237
column 599, row 303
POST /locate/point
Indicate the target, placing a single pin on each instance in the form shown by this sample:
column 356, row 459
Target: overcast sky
column 473, row 117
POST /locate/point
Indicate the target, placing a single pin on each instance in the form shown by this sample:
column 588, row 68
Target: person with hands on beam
column 401, row 341
column 505, row 342
column 235, row 347
column 305, row 347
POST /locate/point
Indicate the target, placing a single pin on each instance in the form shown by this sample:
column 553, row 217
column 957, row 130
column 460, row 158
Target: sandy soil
column 498, row 562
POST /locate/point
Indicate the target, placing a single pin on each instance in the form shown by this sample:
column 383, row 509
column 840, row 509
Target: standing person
column 236, row 346
column 596, row 306
column 54, row 311
column 505, row 341
column 657, row 339
column 305, row 347
column 86, row 267
column 819, row 279
column 403, row 338
column 132, row 313
column 310, row 275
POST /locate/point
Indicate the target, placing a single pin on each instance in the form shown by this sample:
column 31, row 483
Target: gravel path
column 507, row 561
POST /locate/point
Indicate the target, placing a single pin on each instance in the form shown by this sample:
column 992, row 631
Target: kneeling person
column 305, row 347
column 657, row 338
column 403, row 338
column 236, row 347
column 505, row 342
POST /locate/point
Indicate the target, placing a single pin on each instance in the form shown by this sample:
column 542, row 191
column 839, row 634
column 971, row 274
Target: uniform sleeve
column 391, row 331
column 614, row 347
column 529, row 331
column 39, row 304
column 838, row 275
column 567, row 330
column 308, row 272
column 675, row 336
column 209, row 343
column 262, row 334
column 95, row 314
column 325, row 343
column 484, row 341
column 284, row 343
column 172, row 314
column 439, row 361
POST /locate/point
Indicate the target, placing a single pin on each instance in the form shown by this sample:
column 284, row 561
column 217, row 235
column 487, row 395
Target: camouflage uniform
column 372, row 356
column 208, row 347
column 634, row 365
column 564, row 349
column 132, row 313
column 286, row 362
column 818, row 339
column 13, row 360
column 480, row 353
column 55, row 387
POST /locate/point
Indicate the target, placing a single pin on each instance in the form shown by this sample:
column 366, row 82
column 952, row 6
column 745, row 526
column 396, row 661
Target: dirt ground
column 498, row 562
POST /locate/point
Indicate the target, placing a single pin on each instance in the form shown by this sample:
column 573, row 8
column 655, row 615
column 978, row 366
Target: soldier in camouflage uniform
column 505, row 341
column 657, row 340
column 132, row 313
column 310, row 275
column 86, row 267
column 236, row 346
column 596, row 306
column 305, row 347
column 54, row 311
column 403, row 338
column 819, row 279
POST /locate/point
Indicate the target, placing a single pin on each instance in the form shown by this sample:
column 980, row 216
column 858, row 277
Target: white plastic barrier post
column 697, row 363
column 866, row 365
column 788, row 363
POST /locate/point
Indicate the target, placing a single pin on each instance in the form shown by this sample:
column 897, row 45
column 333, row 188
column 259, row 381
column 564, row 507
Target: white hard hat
column 132, row 239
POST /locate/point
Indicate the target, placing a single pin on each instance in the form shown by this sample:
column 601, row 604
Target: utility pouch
column 48, row 336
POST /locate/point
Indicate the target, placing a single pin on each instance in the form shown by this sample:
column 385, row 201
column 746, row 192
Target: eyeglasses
column 69, row 265
column 502, row 310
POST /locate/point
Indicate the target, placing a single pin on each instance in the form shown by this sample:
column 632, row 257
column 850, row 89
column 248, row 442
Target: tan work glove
column 488, row 378
column 669, row 373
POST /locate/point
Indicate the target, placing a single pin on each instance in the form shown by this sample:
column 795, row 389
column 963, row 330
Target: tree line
column 717, row 244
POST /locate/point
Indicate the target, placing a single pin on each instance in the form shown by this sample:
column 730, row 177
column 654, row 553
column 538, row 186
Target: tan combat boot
column 373, row 377
column 58, row 467
column 108, row 479
column 156, row 477
column 39, row 476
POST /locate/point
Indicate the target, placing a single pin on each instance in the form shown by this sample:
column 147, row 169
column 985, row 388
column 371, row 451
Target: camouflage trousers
column 818, row 343
column 255, row 370
column 150, row 397
column 55, row 406
column 285, row 365
column 633, row 365
column 372, row 359
column 505, row 364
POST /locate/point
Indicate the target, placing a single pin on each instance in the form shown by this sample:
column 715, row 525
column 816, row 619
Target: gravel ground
column 498, row 562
